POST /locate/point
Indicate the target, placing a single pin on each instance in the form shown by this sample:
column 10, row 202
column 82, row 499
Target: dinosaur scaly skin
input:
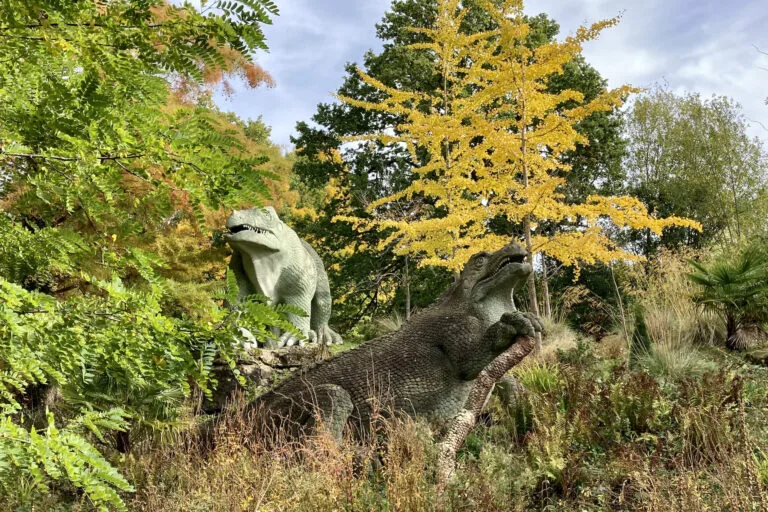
column 425, row 369
column 269, row 258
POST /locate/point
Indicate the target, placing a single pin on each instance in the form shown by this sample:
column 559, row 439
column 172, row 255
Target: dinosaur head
column 491, row 277
column 255, row 228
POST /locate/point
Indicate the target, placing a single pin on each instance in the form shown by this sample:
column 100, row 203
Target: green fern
column 98, row 163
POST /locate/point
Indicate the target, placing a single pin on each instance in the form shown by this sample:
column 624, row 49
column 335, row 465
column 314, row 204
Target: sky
column 704, row 46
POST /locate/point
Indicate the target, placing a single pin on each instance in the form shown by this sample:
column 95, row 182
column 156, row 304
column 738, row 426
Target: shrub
column 667, row 326
column 31, row 461
column 737, row 290
column 539, row 377
column 558, row 337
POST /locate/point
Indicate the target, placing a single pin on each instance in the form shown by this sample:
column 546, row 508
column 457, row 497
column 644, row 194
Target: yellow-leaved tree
column 490, row 142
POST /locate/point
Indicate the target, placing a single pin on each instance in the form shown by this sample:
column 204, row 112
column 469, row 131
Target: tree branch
column 68, row 158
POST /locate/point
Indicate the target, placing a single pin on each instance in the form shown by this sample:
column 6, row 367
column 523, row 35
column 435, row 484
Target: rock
column 758, row 357
column 262, row 368
column 291, row 357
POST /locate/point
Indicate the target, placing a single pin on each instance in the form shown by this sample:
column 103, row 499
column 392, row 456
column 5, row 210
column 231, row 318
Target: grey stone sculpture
column 269, row 258
column 427, row 368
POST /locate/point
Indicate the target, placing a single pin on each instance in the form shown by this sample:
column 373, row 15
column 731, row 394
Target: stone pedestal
column 262, row 369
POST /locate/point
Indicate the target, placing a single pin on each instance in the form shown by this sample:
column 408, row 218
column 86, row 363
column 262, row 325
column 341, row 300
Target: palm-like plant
column 737, row 290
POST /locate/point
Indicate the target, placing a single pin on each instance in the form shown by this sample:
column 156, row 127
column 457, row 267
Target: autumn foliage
column 489, row 144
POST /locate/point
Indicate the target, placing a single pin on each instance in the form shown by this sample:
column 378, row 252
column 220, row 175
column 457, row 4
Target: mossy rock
column 758, row 356
column 262, row 368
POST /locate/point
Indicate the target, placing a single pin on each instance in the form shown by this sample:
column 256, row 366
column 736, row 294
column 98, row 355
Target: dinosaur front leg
column 477, row 354
column 297, row 289
column 512, row 326
column 302, row 299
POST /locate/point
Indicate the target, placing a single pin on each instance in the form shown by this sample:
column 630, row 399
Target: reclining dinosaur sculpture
column 426, row 369
column 269, row 258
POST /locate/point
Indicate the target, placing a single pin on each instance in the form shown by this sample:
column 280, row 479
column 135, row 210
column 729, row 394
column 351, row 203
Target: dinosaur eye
column 480, row 261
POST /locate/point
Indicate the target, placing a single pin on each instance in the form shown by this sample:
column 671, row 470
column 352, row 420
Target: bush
column 737, row 290
column 558, row 337
column 539, row 377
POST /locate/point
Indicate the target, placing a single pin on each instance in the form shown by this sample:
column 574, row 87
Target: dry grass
column 559, row 336
column 730, row 486
column 666, row 295
column 613, row 346
column 689, row 450
column 390, row 323
column 676, row 326
column 317, row 474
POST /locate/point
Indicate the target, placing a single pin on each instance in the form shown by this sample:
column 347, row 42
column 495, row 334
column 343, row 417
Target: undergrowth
column 682, row 427
column 589, row 433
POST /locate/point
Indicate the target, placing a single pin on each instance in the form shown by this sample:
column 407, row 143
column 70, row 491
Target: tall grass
column 675, row 325
column 559, row 337
column 317, row 474
column 590, row 436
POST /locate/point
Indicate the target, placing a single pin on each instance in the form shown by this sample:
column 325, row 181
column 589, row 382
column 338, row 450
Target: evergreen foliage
column 736, row 288
column 111, row 174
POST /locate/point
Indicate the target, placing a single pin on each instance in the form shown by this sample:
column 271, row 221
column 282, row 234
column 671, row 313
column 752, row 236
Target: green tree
column 108, row 144
column 692, row 157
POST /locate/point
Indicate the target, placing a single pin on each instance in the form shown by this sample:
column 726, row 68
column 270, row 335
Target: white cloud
column 703, row 46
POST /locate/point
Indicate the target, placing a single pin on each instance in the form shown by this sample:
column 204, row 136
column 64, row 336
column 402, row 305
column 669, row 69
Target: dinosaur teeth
column 246, row 227
column 506, row 261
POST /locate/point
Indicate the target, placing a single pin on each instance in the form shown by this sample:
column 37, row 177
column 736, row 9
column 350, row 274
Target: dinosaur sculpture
column 427, row 368
column 269, row 258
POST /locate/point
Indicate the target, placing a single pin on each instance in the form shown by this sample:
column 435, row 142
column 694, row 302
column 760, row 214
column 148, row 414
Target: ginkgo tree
column 494, row 137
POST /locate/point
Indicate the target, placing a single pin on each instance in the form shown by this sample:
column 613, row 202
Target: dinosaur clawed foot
column 514, row 325
column 522, row 323
column 327, row 336
column 289, row 340
column 324, row 336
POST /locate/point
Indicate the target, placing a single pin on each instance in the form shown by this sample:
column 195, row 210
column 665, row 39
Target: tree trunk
column 534, row 303
column 464, row 421
column 545, row 287
column 407, row 292
column 533, row 307
column 732, row 339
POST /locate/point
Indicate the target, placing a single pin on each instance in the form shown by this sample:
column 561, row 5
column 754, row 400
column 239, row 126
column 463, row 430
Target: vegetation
column 589, row 434
column 117, row 171
column 112, row 161
column 738, row 291
column 372, row 280
column 691, row 155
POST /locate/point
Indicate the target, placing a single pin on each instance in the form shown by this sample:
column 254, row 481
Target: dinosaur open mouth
column 508, row 260
column 248, row 227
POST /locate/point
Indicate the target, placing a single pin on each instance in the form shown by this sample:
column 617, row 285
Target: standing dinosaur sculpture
column 426, row 369
column 270, row 259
